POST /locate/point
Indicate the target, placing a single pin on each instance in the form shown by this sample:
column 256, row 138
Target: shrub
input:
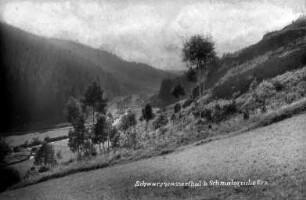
column 59, row 155
column 114, row 137
column 187, row 103
column 290, row 97
column 252, row 102
column 47, row 139
column 163, row 130
column 301, row 88
column 196, row 114
column 9, row 177
column 34, row 150
column 17, row 149
column 278, row 86
column 253, row 85
column 45, row 155
column 26, row 144
column 265, row 90
column 236, row 94
column 218, row 111
column 178, row 91
column 177, row 107
column 30, row 173
column 160, row 121
column 43, row 169
column 173, row 118
column 35, row 141
column 246, row 115
column 206, row 113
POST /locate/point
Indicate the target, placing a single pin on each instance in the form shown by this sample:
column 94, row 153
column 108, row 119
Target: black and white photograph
column 152, row 99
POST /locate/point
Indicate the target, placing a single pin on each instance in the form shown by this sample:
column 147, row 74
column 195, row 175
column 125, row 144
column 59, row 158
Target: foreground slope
column 273, row 153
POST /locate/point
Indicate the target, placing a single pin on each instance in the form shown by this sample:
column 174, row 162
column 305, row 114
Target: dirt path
column 275, row 154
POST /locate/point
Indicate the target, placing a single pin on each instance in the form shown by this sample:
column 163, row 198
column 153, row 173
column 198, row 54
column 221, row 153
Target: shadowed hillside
column 38, row 75
column 133, row 77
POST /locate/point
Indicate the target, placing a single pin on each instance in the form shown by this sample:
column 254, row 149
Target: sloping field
column 273, row 155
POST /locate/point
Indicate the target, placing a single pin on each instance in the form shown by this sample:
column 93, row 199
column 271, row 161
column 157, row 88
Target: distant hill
column 38, row 75
column 133, row 77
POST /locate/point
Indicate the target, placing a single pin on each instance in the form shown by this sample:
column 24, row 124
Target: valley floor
column 275, row 154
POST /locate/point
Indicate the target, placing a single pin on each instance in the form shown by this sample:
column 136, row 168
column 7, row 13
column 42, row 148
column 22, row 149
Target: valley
column 79, row 122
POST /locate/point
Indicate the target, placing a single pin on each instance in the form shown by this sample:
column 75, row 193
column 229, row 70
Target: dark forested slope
column 38, row 75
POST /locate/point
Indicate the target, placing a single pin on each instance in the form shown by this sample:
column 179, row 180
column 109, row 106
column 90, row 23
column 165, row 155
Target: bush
column 265, row 90
column 47, row 139
column 114, row 137
column 35, row 141
column 17, row 149
column 301, row 88
column 187, row 103
column 218, row 111
column 9, row 177
column 291, row 97
column 246, row 115
column 278, row 86
column 43, row 169
column 251, row 102
column 45, row 155
column 163, row 131
column 160, row 121
column 26, row 144
column 34, row 150
column 206, row 113
column 31, row 173
column 177, row 108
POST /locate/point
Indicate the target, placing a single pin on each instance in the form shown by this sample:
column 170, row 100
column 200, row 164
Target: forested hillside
column 38, row 75
column 133, row 77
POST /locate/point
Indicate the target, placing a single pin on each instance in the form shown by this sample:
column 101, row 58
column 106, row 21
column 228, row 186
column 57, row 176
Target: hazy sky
column 152, row 31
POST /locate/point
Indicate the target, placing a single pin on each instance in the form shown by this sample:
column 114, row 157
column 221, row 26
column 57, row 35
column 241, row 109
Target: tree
column 160, row 121
column 45, row 155
column 114, row 137
column 128, row 123
column 199, row 52
column 73, row 110
column 93, row 98
column 178, row 91
column 100, row 131
column 77, row 135
column 147, row 114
